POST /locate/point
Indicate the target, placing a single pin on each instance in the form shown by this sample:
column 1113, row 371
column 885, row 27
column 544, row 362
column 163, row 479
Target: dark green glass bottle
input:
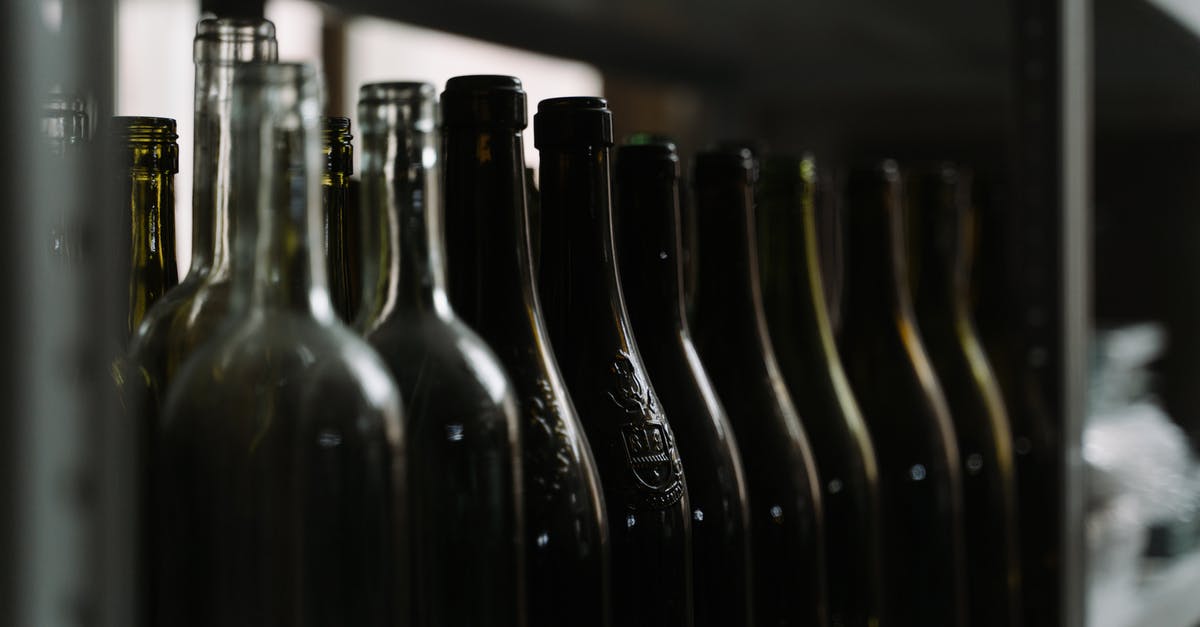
column 338, row 155
column 634, row 444
column 189, row 314
column 797, row 316
column 280, row 488
column 905, row 411
column 787, row 535
column 150, row 159
column 940, row 255
column 461, row 424
column 646, row 228
column 490, row 280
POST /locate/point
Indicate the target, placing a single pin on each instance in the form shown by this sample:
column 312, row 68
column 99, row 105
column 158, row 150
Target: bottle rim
column 145, row 128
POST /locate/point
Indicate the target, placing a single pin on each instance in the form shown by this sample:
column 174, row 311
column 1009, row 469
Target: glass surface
column 787, row 530
column 150, row 154
column 462, row 426
column 634, row 444
column 906, row 413
column 646, row 229
column 491, row 285
column 794, row 302
column 190, row 313
column 338, row 156
column 940, row 255
column 279, row 482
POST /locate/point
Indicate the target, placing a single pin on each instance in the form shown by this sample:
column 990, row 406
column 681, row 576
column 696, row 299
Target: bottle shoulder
column 431, row 354
column 283, row 359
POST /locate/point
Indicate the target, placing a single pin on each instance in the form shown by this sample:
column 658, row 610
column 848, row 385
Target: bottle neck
column 791, row 269
column 939, row 250
column 877, row 289
column 402, row 205
column 219, row 46
column 150, row 188
column 728, row 296
column 646, row 217
column 488, row 263
column 275, row 180
column 577, row 270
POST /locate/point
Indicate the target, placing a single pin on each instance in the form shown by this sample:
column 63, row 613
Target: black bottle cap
column 575, row 121
column 726, row 162
column 647, row 157
column 484, row 100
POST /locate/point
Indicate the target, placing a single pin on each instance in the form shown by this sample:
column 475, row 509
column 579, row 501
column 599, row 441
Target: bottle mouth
column 484, row 100
column 144, row 129
column 234, row 40
column 415, row 105
column 335, row 143
column 657, row 157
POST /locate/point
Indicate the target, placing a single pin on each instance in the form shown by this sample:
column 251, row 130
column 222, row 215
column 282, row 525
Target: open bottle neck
column 402, row 201
column 275, row 169
column 220, row 45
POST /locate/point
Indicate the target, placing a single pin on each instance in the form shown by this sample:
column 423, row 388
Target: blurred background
column 1079, row 118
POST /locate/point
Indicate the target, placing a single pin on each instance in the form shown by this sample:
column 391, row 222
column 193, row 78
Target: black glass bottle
column 188, row 314
column 461, row 422
column 490, row 280
column 634, row 444
column 905, row 411
column 646, row 229
column 150, row 159
column 787, row 535
column 338, row 155
column 797, row 316
column 279, row 476
column 940, row 255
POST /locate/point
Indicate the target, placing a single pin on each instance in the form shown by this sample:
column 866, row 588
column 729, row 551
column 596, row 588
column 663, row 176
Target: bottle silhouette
column 461, row 423
column 646, row 229
column 787, row 535
column 280, row 485
column 905, row 411
column 490, row 280
column 338, row 159
column 634, row 444
column 797, row 316
column 940, row 254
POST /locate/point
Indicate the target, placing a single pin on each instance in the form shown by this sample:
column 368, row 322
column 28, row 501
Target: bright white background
column 155, row 75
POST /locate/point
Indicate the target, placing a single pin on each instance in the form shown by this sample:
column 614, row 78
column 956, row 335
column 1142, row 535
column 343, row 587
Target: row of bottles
column 433, row 395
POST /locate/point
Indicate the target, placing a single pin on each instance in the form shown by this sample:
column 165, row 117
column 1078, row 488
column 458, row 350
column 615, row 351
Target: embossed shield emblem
column 649, row 451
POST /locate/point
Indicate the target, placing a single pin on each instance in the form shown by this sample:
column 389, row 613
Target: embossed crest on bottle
column 649, row 444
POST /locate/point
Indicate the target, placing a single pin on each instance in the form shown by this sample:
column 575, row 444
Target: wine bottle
column 490, row 280
column 787, row 534
column 461, row 425
column 940, row 255
column 150, row 156
column 905, row 411
column 66, row 129
column 188, row 314
column 798, row 320
column 635, row 447
column 646, row 229
column 335, row 190
column 278, row 456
